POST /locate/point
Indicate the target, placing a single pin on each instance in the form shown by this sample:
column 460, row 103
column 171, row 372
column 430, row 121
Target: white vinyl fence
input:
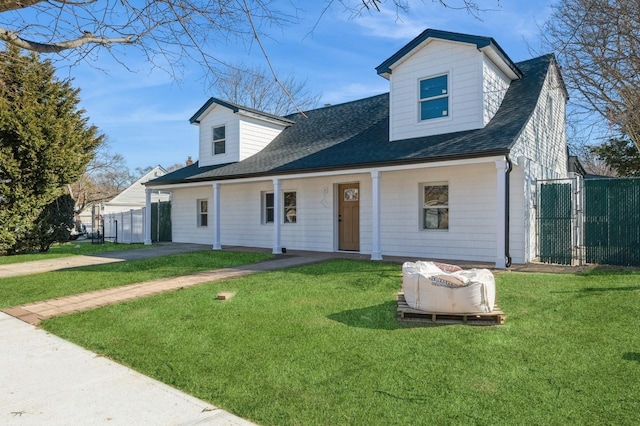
column 125, row 227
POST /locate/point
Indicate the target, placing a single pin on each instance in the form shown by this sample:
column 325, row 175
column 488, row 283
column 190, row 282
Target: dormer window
column 219, row 144
column 434, row 97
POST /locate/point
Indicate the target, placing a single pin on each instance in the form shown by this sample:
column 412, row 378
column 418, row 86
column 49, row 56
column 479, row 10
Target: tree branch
column 88, row 38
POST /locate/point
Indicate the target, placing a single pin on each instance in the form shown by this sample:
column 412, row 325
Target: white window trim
column 421, row 187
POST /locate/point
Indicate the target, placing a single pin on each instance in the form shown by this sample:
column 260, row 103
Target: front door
column 349, row 217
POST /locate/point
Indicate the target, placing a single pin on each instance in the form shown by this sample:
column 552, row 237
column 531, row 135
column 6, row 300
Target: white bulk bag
column 442, row 288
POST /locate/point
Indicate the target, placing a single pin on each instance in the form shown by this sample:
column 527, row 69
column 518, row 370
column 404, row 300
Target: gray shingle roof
column 356, row 135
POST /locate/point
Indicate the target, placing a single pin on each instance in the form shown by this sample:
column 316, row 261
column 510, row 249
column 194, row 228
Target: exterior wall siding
column 472, row 219
column 219, row 116
column 184, row 215
column 541, row 152
column 494, row 87
column 463, row 64
column 472, row 203
column 255, row 135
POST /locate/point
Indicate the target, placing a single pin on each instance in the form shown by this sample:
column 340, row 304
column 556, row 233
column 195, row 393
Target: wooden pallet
column 406, row 313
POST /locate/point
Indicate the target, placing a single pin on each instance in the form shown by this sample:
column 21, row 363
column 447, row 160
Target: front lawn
column 72, row 248
column 19, row 290
column 320, row 345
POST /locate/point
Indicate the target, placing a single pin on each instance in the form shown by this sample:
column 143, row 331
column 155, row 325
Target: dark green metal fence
column 555, row 223
column 609, row 225
column 612, row 221
column 161, row 221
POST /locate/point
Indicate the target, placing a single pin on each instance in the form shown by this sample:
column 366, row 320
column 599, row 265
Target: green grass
column 33, row 288
column 320, row 345
column 72, row 248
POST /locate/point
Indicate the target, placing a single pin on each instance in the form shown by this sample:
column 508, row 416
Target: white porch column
column 376, row 254
column 277, row 217
column 501, row 179
column 216, row 217
column 147, row 216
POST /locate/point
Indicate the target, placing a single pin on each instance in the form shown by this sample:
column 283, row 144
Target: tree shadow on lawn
column 377, row 317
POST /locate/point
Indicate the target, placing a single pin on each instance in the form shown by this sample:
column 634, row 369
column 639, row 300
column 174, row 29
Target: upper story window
column 219, row 136
column 434, row 97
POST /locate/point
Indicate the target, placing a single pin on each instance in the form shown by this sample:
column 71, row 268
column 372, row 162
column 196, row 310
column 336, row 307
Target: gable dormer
column 230, row 133
column 444, row 82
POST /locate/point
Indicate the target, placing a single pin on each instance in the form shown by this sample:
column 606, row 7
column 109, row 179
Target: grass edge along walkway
column 33, row 313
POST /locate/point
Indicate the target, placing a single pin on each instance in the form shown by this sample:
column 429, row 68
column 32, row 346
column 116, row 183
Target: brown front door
column 349, row 216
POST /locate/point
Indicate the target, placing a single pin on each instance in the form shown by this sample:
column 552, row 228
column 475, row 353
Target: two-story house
column 444, row 166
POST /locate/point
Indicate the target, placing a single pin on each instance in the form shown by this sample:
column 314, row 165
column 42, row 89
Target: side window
column 219, row 137
column 203, row 212
column 434, row 97
column 435, row 206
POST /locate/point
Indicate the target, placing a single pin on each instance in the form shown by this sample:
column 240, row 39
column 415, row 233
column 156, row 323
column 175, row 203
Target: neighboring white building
column 444, row 166
column 131, row 198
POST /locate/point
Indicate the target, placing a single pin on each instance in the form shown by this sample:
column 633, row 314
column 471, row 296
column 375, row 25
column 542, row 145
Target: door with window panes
column 349, row 217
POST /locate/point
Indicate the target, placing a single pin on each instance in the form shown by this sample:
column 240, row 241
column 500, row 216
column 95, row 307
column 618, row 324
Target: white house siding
column 494, row 86
column 544, row 139
column 255, row 135
column 540, row 153
column 520, row 208
column 464, row 64
column 219, row 116
column 184, row 215
column 472, row 214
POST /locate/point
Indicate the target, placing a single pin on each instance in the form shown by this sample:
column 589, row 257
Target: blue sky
column 145, row 113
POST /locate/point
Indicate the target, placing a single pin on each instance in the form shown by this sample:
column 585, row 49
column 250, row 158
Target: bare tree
column 170, row 34
column 166, row 31
column 598, row 46
column 255, row 87
column 105, row 177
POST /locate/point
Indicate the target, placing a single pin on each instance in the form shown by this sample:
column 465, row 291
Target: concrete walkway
column 33, row 313
column 47, row 380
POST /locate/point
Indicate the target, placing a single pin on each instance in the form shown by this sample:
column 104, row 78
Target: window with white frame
column 435, row 206
column 434, row 97
column 289, row 207
column 219, row 140
column 203, row 212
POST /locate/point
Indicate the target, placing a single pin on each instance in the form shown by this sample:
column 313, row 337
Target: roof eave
column 485, row 44
column 390, row 163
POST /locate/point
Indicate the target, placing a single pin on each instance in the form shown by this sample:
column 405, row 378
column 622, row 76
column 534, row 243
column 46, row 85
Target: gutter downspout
column 506, row 210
